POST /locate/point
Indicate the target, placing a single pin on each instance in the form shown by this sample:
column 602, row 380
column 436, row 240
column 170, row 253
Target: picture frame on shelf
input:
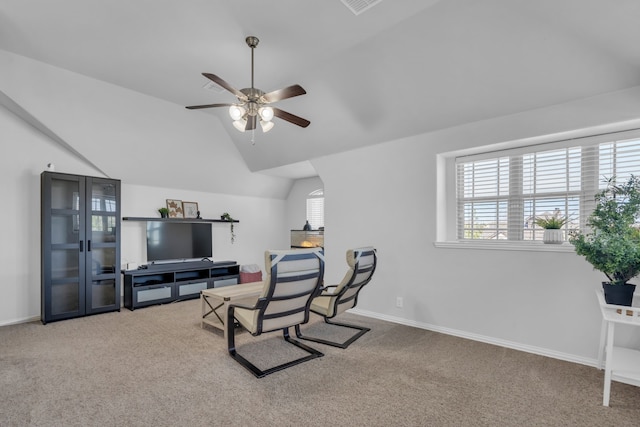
column 190, row 209
column 175, row 208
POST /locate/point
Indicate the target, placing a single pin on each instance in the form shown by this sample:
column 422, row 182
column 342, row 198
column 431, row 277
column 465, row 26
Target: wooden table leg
column 202, row 304
column 225, row 309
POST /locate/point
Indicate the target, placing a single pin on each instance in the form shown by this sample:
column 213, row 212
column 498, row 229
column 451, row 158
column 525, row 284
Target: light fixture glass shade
column 236, row 112
column 240, row 124
column 266, row 113
column 266, row 126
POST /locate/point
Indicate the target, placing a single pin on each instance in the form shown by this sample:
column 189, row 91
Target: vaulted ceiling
column 401, row 68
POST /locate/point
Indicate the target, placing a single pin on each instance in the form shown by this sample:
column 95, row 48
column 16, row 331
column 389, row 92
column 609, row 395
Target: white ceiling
column 401, row 68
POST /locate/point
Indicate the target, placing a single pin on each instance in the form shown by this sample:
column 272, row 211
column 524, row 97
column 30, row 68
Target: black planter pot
column 618, row 294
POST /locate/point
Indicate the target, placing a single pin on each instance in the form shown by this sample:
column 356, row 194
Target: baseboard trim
column 481, row 338
column 18, row 321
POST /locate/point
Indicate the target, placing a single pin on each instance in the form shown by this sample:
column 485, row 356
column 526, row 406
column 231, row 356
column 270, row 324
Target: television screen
column 178, row 241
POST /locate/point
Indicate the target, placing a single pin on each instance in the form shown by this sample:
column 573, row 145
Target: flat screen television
column 178, row 241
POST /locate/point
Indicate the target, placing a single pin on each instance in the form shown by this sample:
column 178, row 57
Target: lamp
column 266, row 126
column 266, row 113
column 239, row 115
column 237, row 112
column 240, row 124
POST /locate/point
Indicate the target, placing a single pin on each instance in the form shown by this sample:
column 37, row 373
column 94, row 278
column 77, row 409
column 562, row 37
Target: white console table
column 620, row 364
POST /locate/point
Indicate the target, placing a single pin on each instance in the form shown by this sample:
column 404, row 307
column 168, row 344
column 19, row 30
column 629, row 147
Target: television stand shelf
column 137, row 218
column 164, row 283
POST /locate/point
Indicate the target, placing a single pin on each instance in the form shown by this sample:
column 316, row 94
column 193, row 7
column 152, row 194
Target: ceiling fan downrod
column 252, row 42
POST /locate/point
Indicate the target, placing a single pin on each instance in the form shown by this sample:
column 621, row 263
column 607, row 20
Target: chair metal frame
column 341, row 299
column 263, row 303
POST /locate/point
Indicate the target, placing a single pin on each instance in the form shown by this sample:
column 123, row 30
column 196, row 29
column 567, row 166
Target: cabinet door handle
column 81, row 245
column 88, row 245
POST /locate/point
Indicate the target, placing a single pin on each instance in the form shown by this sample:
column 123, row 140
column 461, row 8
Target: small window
column 315, row 209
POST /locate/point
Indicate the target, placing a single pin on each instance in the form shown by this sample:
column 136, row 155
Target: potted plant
column 612, row 245
column 226, row 217
column 552, row 225
column 164, row 212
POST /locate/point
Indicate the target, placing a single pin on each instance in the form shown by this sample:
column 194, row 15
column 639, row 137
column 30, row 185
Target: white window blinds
column 620, row 159
column 315, row 209
column 500, row 194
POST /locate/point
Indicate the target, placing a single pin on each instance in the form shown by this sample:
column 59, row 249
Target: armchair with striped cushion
column 336, row 299
column 293, row 279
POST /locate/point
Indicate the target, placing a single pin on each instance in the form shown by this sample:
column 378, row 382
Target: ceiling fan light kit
column 240, row 124
column 266, row 113
column 266, row 126
column 253, row 104
column 237, row 112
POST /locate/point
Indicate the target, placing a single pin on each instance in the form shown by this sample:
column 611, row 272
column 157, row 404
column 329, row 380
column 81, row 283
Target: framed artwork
column 175, row 208
column 190, row 209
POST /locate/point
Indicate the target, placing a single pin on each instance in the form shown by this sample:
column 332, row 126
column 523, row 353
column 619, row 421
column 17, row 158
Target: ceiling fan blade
column 226, row 85
column 291, row 117
column 280, row 94
column 251, row 123
column 196, row 107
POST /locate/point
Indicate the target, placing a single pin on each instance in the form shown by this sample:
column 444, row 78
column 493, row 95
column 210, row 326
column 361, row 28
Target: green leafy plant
column 164, row 212
column 613, row 244
column 553, row 222
column 226, row 217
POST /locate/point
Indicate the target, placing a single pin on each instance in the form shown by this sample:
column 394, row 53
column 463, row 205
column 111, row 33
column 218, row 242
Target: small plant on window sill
column 552, row 225
column 554, row 222
column 226, row 217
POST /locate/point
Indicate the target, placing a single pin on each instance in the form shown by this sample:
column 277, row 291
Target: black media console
column 163, row 283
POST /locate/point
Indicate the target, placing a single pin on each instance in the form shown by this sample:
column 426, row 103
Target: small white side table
column 620, row 364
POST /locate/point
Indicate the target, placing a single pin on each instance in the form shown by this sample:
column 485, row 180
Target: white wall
column 25, row 154
column 537, row 301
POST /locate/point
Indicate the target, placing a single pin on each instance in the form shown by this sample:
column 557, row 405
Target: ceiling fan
column 254, row 104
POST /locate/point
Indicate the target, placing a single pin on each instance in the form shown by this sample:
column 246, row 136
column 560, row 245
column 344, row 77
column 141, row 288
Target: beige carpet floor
column 157, row 367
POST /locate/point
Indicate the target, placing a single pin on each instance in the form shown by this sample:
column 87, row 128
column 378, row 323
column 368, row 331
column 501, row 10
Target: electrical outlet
column 399, row 302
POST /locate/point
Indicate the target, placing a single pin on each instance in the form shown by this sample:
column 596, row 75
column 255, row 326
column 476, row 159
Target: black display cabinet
column 80, row 245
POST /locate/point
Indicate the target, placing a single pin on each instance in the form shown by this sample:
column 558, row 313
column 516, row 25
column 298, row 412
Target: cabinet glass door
column 65, row 242
column 103, row 249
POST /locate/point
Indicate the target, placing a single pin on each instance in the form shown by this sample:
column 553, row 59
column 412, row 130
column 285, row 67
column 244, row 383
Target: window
column 499, row 195
column 315, row 209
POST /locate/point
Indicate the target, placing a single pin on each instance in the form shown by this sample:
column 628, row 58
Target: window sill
column 506, row 246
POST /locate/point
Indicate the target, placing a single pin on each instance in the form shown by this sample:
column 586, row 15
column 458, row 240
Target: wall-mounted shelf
column 136, row 218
